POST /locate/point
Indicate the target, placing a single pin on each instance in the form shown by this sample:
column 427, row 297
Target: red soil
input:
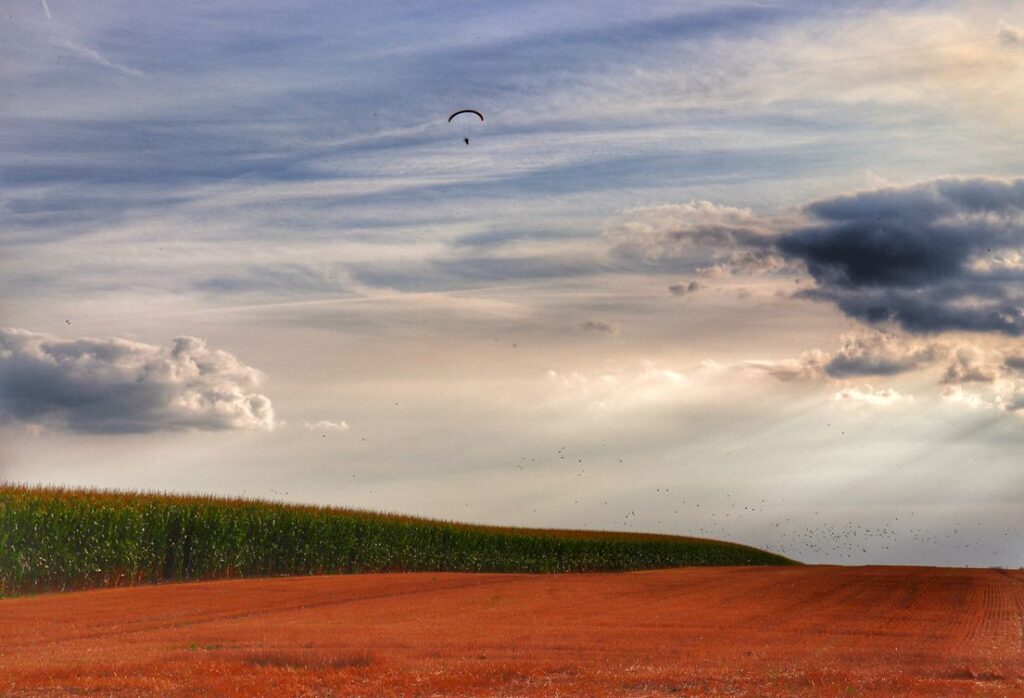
column 814, row 631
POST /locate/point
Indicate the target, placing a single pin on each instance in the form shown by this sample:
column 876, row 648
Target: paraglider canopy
column 467, row 122
column 465, row 111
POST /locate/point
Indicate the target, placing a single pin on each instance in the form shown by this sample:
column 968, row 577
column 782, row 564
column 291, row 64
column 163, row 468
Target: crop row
column 52, row 539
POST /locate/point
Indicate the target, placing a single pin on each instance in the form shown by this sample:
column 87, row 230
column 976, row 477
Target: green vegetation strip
column 55, row 539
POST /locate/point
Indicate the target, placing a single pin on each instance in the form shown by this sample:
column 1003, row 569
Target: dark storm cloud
column 928, row 311
column 942, row 255
column 115, row 386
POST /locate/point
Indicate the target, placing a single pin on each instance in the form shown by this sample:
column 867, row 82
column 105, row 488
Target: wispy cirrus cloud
column 809, row 366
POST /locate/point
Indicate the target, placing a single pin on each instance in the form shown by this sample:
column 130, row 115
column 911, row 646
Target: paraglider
column 465, row 138
column 465, row 111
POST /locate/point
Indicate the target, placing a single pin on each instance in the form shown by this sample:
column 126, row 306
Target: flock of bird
column 782, row 527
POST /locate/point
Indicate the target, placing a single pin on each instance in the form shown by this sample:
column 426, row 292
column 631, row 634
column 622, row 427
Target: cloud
column 810, row 366
column 1014, row 363
column 621, row 387
column 327, row 425
column 117, row 386
column 864, row 353
column 1011, row 399
column 942, row 255
column 974, row 378
column 279, row 278
column 599, row 326
column 685, row 288
column 970, row 365
column 881, row 354
column 985, row 379
column 1009, row 34
column 867, row 395
column 1001, row 394
column 956, row 395
column 503, row 237
column 708, row 238
column 930, row 257
column 445, row 274
column 97, row 57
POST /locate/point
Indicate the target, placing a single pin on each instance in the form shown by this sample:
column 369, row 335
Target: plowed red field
column 815, row 631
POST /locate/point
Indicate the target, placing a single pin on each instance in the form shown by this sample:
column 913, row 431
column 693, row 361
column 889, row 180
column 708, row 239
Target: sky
column 751, row 271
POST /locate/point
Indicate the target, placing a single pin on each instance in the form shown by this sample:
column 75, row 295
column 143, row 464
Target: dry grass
column 305, row 659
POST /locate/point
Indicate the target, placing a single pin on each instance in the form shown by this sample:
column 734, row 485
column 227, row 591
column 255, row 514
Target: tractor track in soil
column 768, row 631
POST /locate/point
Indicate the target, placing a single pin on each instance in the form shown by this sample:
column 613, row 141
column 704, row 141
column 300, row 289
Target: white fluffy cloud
column 868, row 395
column 621, row 387
column 1001, row 394
column 327, row 425
column 974, row 377
column 980, row 379
column 1011, row 397
column 119, row 386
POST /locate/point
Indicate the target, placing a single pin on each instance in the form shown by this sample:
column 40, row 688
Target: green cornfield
column 55, row 539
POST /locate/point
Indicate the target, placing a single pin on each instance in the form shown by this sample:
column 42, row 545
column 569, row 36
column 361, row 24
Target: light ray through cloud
column 749, row 270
